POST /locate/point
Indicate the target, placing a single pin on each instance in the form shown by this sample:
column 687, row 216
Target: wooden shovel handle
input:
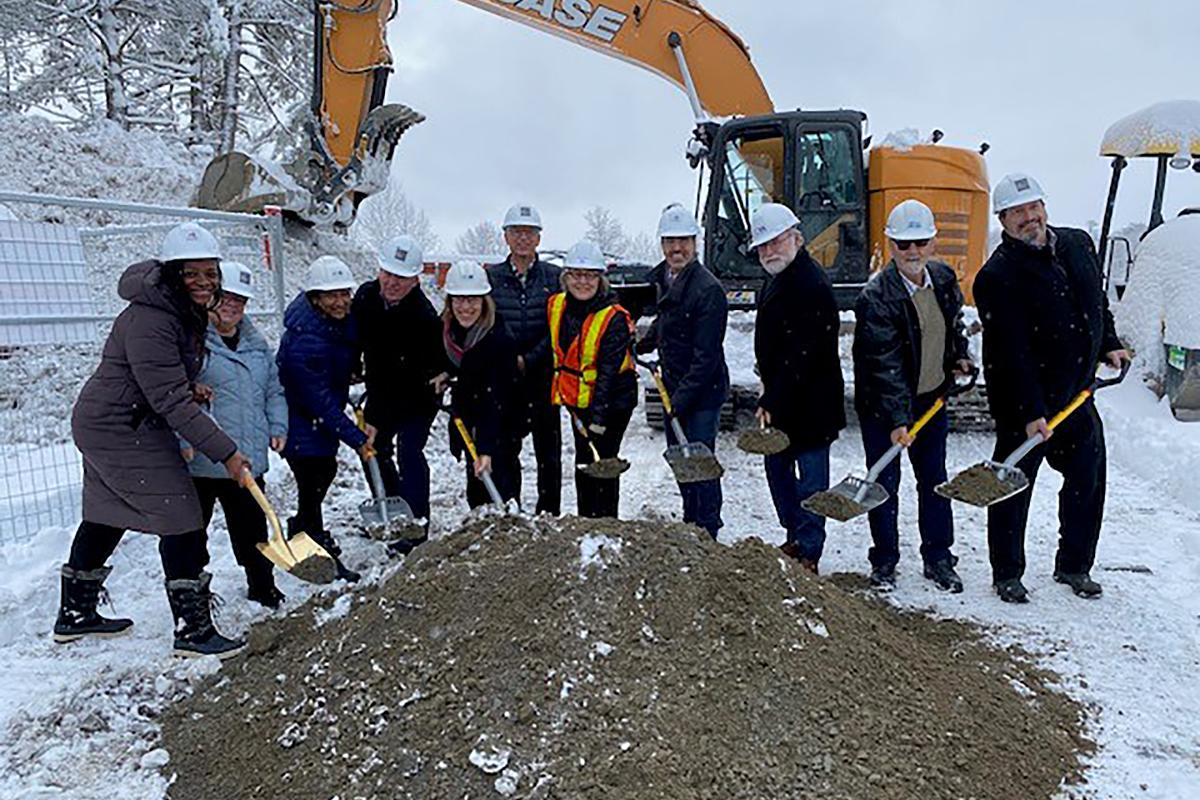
column 248, row 482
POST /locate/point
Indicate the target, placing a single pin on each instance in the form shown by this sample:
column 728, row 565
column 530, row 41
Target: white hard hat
column 1015, row 189
column 236, row 278
column 401, row 256
column 909, row 221
column 676, row 223
column 769, row 221
column 522, row 216
column 467, row 279
column 188, row 242
column 329, row 274
column 585, row 255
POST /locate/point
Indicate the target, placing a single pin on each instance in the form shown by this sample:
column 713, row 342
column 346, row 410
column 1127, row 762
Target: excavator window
column 829, row 196
column 753, row 173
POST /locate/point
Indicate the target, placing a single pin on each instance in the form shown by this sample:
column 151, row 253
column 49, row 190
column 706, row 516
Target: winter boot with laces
column 1081, row 583
column 192, row 603
column 82, row 591
column 943, row 575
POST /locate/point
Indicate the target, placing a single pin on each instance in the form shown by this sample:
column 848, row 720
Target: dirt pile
column 584, row 659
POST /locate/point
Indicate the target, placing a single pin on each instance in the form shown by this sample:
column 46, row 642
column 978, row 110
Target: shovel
column 603, row 468
column 383, row 517
column 300, row 555
column 763, row 440
column 691, row 462
column 486, row 475
column 856, row 496
column 989, row 482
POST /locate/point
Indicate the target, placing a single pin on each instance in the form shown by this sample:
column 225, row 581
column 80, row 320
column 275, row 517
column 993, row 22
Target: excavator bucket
column 240, row 182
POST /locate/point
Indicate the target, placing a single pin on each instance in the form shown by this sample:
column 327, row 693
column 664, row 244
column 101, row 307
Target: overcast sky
column 515, row 114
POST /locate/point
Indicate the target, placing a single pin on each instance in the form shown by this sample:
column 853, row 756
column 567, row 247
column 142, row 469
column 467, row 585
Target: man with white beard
column 796, row 348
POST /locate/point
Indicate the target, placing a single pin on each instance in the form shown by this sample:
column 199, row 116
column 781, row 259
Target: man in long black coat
column 908, row 345
column 796, row 349
column 521, row 286
column 1046, row 326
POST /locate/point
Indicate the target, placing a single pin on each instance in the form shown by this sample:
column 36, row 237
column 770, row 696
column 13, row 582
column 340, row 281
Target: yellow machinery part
column 354, row 40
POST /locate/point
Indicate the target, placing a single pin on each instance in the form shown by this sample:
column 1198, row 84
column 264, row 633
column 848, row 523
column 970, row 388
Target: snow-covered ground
column 76, row 720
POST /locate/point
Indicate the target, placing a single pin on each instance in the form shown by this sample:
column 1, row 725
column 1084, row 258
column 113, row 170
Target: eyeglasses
column 210, row 275
column 904, row 245
column 582, row 274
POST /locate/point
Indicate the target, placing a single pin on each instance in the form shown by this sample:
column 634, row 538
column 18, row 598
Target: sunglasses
column 904, row 245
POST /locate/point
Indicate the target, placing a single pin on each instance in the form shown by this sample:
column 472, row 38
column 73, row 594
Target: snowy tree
column 605, row 230
column 483, row 239
column 391, row 213
column 645, row 248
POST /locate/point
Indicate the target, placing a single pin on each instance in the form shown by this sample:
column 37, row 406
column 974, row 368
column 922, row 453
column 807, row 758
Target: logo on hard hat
column 401, row 255
column 1022, row 184
column 192, row 236
column 526, row 211
column 244, row 277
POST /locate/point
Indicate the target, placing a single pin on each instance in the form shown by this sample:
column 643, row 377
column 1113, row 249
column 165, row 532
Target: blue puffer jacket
column 316, row 359
column 247, row 401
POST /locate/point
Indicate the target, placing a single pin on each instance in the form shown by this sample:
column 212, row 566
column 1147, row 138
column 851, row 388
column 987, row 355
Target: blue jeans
column 701, row 501
column 405, row 439
column 793, row 476
column 927, row 454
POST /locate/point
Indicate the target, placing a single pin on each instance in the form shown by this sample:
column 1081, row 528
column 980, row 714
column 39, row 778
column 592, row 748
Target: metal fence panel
column 45, row 295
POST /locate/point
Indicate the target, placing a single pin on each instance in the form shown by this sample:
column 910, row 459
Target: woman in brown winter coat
column 127, row 422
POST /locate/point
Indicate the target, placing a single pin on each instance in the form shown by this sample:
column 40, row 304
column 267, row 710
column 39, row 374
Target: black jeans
column 1076, row 450
column 543, row 421
column 314, row 475
column 184, row 556
column 595, row 497
column 506, row 474
column 405, row 439
column 927, row 454
column 245, row 520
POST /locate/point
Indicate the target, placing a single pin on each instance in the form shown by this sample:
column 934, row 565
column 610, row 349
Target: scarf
column 452, row 331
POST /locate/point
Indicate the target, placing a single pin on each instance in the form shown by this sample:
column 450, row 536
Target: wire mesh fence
column 60, row 262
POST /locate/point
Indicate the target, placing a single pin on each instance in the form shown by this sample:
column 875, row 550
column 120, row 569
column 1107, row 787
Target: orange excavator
column 815, row 162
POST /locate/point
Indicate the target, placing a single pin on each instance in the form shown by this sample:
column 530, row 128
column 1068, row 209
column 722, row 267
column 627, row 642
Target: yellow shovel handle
column 928, row 415
column 1079, row 400
column 662, row 392
column 249, row 483
column 466, row 437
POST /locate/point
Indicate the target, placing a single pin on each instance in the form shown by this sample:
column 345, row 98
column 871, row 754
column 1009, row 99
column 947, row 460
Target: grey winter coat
column 130, row 412
column 248, row 400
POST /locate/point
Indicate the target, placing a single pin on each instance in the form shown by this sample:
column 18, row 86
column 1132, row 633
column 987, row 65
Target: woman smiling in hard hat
column 317, row 360
column 485, row 398
column 590, row 337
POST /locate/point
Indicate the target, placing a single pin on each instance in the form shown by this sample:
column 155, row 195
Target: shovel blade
column 693, row 463
column 763, row 441
column 605, row 469
column 851, row 498
column 384, row 513
column 301, row 557
column 984, row 484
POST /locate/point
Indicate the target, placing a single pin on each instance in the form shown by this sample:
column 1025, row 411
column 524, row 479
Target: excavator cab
column 809, row 161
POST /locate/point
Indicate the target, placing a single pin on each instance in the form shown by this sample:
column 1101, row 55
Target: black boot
column 943, row 575
column 77, row 617
column 883, row 577
column 1081, row 583
column 191, row 604
column 1012, row 591
column 260, row 586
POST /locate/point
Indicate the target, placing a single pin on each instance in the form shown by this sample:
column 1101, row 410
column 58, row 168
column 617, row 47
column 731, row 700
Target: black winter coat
column 689, row 334
column 796, row 348
column 402, row 350
column 523, row 307
column 615, row 390
column 887, row 343
column 1046, row 324
column 486, row 394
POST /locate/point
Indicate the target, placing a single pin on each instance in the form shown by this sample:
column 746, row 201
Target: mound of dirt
column 600, row 659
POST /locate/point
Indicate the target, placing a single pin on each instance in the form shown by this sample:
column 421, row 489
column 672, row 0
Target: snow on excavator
column 1155, row 279
column 812, row 161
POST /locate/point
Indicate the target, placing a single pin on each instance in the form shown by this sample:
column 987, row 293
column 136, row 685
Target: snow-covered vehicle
column 1156, row 280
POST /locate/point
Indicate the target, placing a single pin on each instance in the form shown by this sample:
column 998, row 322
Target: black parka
column 523, row 307
column 486, row 393
column 402, row 350
column 689, row 334
column 887, row 343
column 1046, row 324
column 614, row 390
column 796, row 349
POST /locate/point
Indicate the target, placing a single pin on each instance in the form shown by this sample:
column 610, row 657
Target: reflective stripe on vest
column 575, row 369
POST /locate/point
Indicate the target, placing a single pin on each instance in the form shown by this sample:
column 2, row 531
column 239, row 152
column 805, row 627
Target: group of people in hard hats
column 188, row 398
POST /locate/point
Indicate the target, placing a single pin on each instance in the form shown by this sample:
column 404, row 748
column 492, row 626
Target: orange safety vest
column 575, row 369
